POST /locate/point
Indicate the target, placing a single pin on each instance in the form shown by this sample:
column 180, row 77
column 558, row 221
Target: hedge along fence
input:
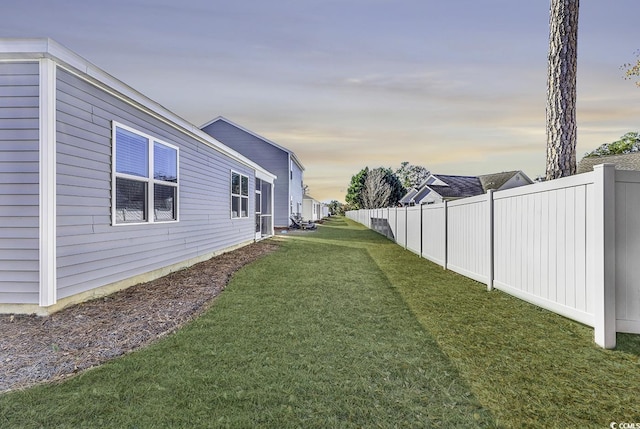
column 568, row 245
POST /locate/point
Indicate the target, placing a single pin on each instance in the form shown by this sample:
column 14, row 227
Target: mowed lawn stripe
column 529, row 366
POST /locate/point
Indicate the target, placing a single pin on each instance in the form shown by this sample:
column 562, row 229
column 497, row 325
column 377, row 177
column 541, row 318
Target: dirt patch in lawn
column 36, row 349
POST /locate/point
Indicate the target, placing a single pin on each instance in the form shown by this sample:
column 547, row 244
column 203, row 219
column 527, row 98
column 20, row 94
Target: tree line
column 383, row 186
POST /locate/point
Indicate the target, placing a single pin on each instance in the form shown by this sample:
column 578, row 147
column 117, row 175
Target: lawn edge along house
column 102, row 188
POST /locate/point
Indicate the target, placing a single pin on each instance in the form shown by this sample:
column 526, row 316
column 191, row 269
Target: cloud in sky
column 459, row 87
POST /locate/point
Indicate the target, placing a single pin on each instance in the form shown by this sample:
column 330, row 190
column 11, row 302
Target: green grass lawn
column 342, row 328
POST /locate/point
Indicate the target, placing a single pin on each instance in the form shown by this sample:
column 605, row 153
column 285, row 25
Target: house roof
column 36, row 49
column 419, row 196
column 458, row 186
column 454, row 187
column 497, row 180
column 264, row 139
column 308, row 197
column 409, row 196
column 450, row 186
column 628, row 161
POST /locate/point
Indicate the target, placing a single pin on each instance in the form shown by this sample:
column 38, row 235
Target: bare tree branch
column 376, row 192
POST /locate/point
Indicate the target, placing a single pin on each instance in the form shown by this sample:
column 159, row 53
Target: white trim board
column 47, row 183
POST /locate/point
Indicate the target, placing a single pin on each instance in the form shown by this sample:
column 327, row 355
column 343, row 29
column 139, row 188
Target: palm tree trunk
column 561, row 88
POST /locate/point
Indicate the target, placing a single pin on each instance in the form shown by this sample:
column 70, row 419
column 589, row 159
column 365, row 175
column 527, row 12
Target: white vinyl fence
column 570, row 245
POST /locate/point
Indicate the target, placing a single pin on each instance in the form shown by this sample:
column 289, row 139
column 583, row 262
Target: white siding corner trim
column 47, row 179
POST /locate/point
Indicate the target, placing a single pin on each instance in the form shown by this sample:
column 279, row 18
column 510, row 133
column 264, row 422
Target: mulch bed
column 36, row 349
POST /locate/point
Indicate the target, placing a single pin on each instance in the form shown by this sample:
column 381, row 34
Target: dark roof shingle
column 627, row 161
column 459, row 186
column 496, row 180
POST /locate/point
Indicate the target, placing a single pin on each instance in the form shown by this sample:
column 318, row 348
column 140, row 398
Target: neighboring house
column 440, row 187
column 102, row 188
column 275, row 158
column 311, row 208
column 504, row 180
column 408, row 198
column 628, row 161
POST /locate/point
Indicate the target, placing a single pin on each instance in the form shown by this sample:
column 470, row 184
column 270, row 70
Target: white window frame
column 149, row 180
column 232, row 196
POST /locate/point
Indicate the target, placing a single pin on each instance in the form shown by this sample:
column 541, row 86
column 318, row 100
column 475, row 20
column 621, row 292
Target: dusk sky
column 456, row 86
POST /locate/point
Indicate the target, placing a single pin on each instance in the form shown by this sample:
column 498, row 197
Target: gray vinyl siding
column 91, row 252
column 266, row 155
column 19, row 189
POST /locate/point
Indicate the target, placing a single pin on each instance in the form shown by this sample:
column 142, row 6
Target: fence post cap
column 604, row 165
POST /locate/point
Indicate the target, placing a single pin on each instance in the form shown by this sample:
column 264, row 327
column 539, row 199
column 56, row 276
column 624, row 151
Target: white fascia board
column 267, row 178
column 297, row 161
column 527, row 178
column 47, row 48
column 439, row 181
column 219, row 118
column 424, row 182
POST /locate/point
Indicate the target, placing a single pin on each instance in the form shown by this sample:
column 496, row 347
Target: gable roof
column 264, row 139
column 458, row 186
column 447, row 186
column 420, row 195
column 409, row 196
column 627, row 161
column 453, row 187
column 497, row 180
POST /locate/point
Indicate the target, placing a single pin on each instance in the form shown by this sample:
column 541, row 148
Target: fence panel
column 468, row 237
column 414, row 229
column 543, row 246
column 434, row 233
column 393, row 224
column 380, row 223
column 628, row 251
column 570, row 245
column 401, row 224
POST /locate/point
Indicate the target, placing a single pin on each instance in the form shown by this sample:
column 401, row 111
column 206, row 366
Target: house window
column 239, row 195
column 146, row 178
